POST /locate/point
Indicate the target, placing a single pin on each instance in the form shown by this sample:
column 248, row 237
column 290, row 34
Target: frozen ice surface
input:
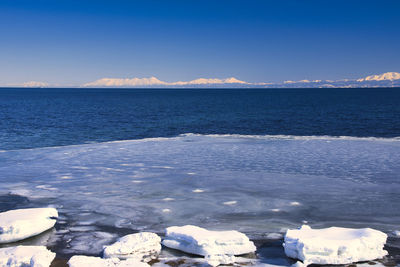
column 262, row 173
column 88, row 241
column 274, row 236
column 219, row 247
column 88, row 261
column 23, row 256
column 20, row 224
column 334, row 245
column 143, row 246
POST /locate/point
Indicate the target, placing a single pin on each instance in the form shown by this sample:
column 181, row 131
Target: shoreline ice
column 263, row 176
column 332, row 245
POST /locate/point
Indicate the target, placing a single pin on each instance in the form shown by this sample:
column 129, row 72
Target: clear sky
column 73, row 42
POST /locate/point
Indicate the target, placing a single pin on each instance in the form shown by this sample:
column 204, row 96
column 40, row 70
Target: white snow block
column 23, row 256
column 142, row 246
column 20, row 224
column 334, row 245
column 87, row 261
column 199, row 241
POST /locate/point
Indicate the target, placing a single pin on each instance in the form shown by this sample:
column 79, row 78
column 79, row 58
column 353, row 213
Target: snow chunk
column 197, row 190
column 20, row 224
column 34, row 256
column 334, row 245
column 215, row 260
column 84, row 261
column 142, row 246
column 219, row 247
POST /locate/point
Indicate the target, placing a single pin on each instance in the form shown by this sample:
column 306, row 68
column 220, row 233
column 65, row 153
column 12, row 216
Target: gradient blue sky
column 72, row 42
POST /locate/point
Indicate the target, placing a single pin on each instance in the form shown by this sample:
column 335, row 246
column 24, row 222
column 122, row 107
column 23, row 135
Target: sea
column 260, row 161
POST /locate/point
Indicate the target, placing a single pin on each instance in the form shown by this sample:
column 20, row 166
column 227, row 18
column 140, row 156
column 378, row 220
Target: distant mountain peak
column 388, row 76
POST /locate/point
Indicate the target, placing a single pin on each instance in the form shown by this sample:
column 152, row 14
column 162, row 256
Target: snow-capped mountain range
column 153, row 81
column 388, row 79
column 383, row 77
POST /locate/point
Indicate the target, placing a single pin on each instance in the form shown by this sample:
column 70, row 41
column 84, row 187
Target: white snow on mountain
column 116, row 82
column 388, row 79
column 153, row 81
column 381, row 77
column 31, row 84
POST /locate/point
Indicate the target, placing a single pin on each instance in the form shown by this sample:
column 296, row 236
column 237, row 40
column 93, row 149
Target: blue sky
column 73, row 42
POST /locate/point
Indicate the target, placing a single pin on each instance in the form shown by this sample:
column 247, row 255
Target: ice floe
column 197, row 190
column 85, row 261
column 218, row 247
column 21, row 256
column 334, row 245
column 20, row 224
column 230, row 203
column 143, row 246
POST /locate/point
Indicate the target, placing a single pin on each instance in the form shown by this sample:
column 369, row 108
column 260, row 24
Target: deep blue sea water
column 52, row 117
column 117, row 161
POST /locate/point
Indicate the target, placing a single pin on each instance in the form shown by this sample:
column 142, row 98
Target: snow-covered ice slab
column 334, row 245
column 143, row 246
column 21, row 256
column 20, row 224
column 85, row 261
column 219, row 247
column 200, row 241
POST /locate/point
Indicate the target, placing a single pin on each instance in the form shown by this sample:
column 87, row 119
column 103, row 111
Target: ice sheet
column 276, row 182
